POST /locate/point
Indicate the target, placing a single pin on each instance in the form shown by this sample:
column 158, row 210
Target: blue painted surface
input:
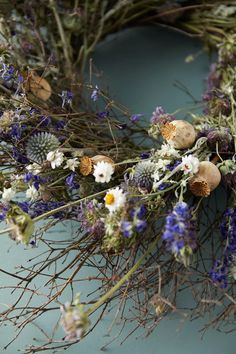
column 140, row 68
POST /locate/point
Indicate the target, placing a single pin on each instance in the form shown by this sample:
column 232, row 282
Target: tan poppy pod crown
column 179, row 133
column 87, row 163
column 205, row 180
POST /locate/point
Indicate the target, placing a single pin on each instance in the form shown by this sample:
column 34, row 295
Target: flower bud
column 179, row 133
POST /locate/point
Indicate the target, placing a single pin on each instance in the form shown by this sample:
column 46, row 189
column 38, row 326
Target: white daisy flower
column 103, row 172
column 32, row 193
column 190, row 164
column 72, row 164
column 8, row 194
column 115, row 199
column 55, row 158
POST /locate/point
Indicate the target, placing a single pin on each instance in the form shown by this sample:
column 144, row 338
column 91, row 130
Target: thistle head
column 142, row 176
column 39, row 145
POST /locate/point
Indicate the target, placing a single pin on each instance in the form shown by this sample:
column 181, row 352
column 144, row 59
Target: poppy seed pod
column 205, row 180
column 86, row 166
column 38, row 86
column 100, row 158
column 179, row 133
column 87, row 163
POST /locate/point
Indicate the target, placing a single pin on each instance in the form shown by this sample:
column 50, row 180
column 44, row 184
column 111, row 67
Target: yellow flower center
column 109, row 198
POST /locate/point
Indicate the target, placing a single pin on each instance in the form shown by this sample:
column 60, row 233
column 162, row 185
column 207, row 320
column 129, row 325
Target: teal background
column 140, row 68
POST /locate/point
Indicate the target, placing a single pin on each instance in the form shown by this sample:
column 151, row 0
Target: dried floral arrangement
column 145, row 219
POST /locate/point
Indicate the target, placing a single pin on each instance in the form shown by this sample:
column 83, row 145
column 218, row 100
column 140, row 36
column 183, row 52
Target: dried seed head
column 100, row 158
column 179, row 133
column 86, row 166
column 199, row 187
column 221, row 137
column 39, row 145
column 38, row 86
column 6, row 121
column 142, row 176
column 205, row 180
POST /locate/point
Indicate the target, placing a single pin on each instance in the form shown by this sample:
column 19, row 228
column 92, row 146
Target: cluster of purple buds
column 10, row 76
column 135, row 223
column 221, row 139
column 95, row 94
column 160, row 117
column 71, row 181
column 89, row 216
column 180, row 232
column 66, row 97
column 222, row 268
column 217, row 103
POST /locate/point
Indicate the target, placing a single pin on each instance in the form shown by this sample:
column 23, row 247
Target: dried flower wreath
column 67, row 154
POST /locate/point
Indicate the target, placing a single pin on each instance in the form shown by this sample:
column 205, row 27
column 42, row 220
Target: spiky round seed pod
column 222, row 137
column 179, row 133
column 39, row 145
column 205, row 180
column 86, row 166
column 142, row 176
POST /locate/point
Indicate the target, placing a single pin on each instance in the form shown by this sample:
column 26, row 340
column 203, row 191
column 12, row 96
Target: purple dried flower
column 160, row 117
column 180, row 232
column 16, row 131
column 103, row 114
column 67, row 97
column 140, row 225
column 19, row 157
column 71, row 181
column 217, row 102
column 28, row 177
column 218, row 274
column 135, row 117
column 95, row 94
column 145, row 155
column 75, row 321
column 221, row 268
column 222, row 137
column 89, row 216
column 40, row 207
column 127, row 228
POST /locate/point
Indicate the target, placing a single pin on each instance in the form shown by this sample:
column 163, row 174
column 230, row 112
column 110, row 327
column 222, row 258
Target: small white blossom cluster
column 8, row 194
column 32, row 193
column 71, row 164
column 34, row 168
column 167, row 150
column 161, row 167
column 55, row 158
